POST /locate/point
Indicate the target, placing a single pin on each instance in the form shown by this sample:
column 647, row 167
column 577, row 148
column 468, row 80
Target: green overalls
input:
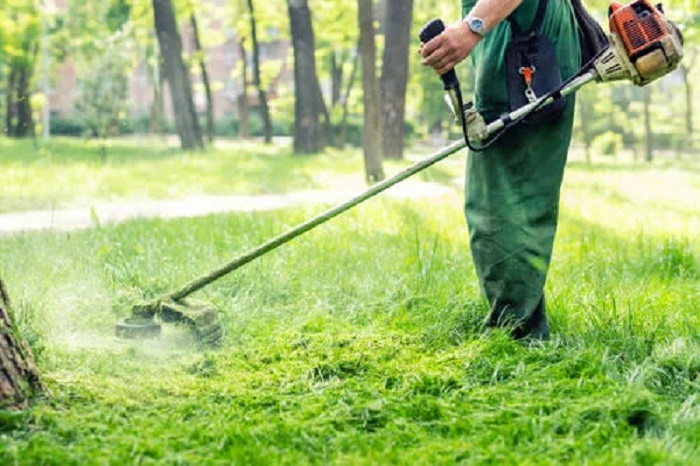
column 512, row 189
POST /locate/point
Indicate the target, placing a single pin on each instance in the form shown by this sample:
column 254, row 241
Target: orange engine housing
column 639, row 24
column 652, row 43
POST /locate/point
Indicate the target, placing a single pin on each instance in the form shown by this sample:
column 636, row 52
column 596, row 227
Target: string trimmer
column 642, row 46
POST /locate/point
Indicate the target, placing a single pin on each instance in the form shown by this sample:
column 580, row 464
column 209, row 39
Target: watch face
column 477, row 25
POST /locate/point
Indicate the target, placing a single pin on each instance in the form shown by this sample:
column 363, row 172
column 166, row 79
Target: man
column 512, row 189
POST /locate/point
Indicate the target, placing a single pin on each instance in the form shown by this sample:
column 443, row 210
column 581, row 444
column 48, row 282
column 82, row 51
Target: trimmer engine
column 645, row 45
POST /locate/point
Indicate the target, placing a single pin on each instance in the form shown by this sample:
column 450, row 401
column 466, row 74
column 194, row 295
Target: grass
column 360, row 343
column 68, row 172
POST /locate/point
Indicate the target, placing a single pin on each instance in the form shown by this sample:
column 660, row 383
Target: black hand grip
column 431, row 30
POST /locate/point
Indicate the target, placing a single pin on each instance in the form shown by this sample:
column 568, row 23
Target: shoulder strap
column 592, row 37
column 536, row 24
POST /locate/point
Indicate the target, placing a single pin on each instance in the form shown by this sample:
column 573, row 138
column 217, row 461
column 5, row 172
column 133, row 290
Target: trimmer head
column 138, row 328
column 200, row 316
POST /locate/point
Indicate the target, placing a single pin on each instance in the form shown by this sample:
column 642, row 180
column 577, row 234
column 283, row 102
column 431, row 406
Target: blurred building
column 224, row 66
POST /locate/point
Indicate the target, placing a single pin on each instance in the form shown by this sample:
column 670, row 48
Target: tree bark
column 308, row 100
column 394, row 80
column 19, row 121
column 177, row 75
column 205, row 77
column 19, row 378
column 371, row 134
column 262, row 97
column 336, row 79
column 243, row 111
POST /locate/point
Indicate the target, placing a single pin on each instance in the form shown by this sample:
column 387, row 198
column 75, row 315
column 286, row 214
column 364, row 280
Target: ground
column 360, row 342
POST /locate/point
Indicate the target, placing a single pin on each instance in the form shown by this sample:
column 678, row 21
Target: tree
column 338, row 45
column 308, row 101
column 345, row 99
column 394, row 80
column 103, row 93
column 176, row 75
column 205, row 75
column 648, row 133
column 243, row 112
column 691, row 33
column 371, row 134
column 19, row 49
column 262, row 96
column 19, row 378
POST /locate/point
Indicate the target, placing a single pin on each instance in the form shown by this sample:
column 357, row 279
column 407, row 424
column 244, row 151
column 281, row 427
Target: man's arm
column 457, row 41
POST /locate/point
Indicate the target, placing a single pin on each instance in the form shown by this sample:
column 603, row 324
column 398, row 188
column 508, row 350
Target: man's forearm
column 493, row 12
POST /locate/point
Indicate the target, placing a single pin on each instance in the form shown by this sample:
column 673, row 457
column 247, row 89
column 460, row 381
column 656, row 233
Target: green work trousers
column 512, row 188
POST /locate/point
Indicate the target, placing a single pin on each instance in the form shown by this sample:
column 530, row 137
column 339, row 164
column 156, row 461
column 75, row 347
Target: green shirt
column 559, row 25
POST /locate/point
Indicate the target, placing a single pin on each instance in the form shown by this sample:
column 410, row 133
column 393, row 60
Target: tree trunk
column 336, row 79
column 156, row 114
column 19, row 379
column 584, row 112
column 19, row 122
column 648, row 135
column 399, row 16
column 10, row 111
column 264, row 109
column 371, row 133
column 205, row 77
column 177, row 75
column 308, row 101
column 156, row 109
column 25, row 119
column 344, row 102
column 243, row 112
column 689, row 111
column 688, row 85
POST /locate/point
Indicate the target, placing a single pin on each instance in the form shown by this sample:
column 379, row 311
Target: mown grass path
column 107, row 213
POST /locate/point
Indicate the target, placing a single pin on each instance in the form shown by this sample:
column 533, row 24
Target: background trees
column 176, row 74
column 308, row 103
column 303, row 60
column 20, row 26
column 371, row 130
column 398, row 22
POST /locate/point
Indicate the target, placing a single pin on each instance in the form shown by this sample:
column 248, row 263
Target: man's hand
column 449, row 48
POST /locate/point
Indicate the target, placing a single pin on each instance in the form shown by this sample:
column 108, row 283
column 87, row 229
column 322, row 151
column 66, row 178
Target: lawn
column 361, row 342
column 69, row 172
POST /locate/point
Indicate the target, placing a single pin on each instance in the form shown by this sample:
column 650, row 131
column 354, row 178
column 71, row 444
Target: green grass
column 360, row 343
column 68, row 172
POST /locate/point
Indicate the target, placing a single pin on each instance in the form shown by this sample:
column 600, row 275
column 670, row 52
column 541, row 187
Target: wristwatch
column 476, row 25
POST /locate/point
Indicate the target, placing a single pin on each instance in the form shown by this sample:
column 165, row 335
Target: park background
column 361, row 342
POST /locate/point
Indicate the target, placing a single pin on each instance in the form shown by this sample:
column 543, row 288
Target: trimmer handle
column 431, row 30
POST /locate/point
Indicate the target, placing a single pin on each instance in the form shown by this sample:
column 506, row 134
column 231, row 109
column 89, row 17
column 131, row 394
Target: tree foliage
column 85, row 30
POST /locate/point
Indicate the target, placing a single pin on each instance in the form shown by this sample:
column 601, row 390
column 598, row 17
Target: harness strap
column 536, row 24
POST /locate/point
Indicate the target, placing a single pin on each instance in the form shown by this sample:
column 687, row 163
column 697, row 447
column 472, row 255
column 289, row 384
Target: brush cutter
column 642, row 46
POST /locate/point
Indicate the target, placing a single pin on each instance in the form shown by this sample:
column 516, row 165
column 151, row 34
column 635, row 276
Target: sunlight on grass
column 361, row 342
column 67, row 172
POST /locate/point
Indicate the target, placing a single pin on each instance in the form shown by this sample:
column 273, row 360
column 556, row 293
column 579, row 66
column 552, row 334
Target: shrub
column 608, row 143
